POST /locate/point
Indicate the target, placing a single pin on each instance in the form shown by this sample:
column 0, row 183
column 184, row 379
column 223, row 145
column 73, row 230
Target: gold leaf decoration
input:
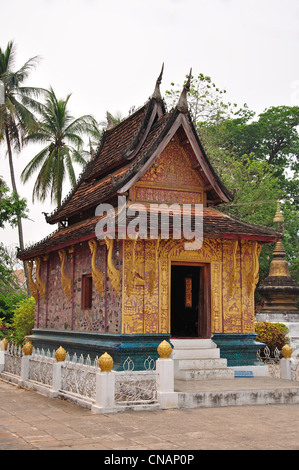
column 32, row 285
column 97, row 276
column 232, row 274
column 65, row 280
column 41, row 285
column 154, row 271
column 133, row 276
column 113, row 273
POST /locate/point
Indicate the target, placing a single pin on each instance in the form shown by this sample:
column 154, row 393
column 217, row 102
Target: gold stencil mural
column 147, row 307
column 171, row 179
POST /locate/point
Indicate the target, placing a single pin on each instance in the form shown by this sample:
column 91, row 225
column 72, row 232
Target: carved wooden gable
column 171, row 179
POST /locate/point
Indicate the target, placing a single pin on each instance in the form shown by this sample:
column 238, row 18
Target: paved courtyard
column 31, row 421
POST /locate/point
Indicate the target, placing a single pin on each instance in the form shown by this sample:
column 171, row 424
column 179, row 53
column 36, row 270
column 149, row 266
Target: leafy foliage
column 63, row 136
column 8, row 303
column 11, row 207
column 257, row 157
column 23, row 319
column 274, row 335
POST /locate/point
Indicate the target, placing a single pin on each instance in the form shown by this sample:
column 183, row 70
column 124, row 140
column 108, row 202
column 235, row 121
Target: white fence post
column 286, row 363
column 3, row 347
column 166, row 395
column 25, row 359
column 56, row 378
column 105, row 389
column 25, row 368
column 2, row 360
column 105, row 386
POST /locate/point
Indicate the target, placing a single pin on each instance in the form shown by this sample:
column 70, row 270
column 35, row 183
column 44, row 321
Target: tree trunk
column 14, row 188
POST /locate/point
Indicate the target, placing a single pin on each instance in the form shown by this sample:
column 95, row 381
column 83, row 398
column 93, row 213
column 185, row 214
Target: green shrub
column 274, row 335
column 23, row 320
column 8, row 303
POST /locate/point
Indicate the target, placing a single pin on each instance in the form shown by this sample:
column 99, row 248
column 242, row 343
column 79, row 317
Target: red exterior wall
column 59, row 312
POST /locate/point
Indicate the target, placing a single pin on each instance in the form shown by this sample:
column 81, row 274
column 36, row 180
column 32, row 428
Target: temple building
column 128, row 290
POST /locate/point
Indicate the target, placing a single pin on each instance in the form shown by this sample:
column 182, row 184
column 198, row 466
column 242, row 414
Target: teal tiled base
column 239, row 349
column 138, row 347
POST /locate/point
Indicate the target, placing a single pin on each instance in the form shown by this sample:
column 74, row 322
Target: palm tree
column 62, row 135
column 16, row 119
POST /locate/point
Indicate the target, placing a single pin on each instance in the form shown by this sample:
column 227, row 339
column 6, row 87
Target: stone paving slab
column 30, row 421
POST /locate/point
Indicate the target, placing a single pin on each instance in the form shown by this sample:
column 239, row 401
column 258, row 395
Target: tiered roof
column 125, row 153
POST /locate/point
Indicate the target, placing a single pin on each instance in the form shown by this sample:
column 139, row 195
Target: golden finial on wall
column 27, row 348
column 164, row 350
column 105, row 362
column 286, row 351
column 60, row 354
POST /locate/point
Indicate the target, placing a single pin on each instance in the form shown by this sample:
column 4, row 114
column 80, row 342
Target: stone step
column 193, row 343
column 194, row 364
column 196, row 353
column 205, row 374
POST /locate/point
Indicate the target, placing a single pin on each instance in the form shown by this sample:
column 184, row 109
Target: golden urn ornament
column 286, row 351
column 60, row 354
column 105, row 362
column 164, row 350
column 27, row 348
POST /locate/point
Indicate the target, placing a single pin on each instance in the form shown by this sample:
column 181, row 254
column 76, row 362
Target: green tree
column 16, row 119
column 11, row 208
column 23, row 319
column 205, row 99
column 257, row 157
column 272, row 137
column 62, row 135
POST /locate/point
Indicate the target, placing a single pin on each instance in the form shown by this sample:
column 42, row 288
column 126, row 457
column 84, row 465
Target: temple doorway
column 190, row 301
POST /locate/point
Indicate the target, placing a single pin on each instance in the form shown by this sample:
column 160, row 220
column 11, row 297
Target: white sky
column 108, row 54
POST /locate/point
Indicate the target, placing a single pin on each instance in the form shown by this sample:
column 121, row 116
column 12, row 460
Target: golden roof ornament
column 278, row 215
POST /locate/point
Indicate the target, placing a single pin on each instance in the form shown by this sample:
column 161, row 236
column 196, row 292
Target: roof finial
column 157, row 93
column 110, row 121
column 278, row 215
column 91, row 150
column 182, row 104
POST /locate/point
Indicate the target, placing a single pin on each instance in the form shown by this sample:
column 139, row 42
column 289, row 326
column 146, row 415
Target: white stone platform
column 199, row 359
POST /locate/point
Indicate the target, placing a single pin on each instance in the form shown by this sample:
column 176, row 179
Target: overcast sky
column 108, row 54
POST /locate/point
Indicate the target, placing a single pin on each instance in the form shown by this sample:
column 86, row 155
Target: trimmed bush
column 274, row 335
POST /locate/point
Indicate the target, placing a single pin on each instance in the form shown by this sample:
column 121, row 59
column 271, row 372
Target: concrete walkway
column 30, row 421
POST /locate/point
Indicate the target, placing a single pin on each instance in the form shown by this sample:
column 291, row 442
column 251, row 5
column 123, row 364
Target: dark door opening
column 190, row 301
